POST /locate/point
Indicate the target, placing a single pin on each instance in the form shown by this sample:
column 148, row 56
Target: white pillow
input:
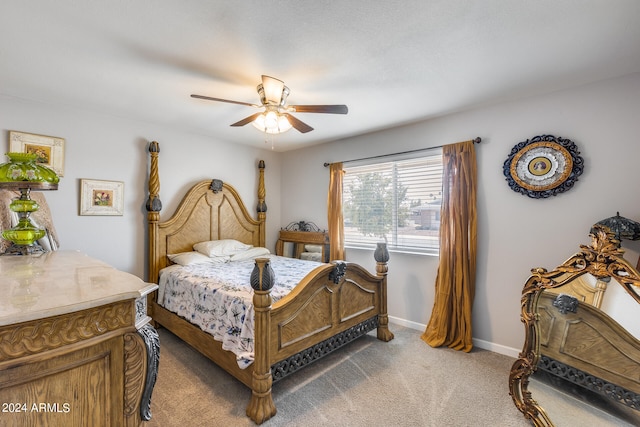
column 311, row 256
column 250, row 253
column 189, row 258
column 224, row 247
column 313, row 248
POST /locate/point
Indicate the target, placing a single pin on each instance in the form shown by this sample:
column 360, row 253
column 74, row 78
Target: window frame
column 394, row 239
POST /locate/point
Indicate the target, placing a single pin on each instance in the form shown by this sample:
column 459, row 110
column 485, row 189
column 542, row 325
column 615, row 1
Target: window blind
column 394, row 201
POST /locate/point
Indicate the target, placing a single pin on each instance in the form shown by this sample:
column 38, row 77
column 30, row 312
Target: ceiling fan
column 276, row 115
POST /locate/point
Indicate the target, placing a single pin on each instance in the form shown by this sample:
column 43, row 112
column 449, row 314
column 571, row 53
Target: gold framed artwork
column 50, row 149
column 98, row 197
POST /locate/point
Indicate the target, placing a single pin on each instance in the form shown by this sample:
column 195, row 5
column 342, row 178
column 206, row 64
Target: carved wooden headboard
column 586, row 288
column 303, row 233
column 210, row 210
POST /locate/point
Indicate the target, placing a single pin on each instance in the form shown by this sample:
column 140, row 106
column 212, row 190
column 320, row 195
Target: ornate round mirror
column 581, row 356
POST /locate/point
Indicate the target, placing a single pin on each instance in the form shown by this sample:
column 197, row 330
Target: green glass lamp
column 22, row 173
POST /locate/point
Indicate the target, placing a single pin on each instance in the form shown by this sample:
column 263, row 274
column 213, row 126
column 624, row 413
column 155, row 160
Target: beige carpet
column 571, row 405
column 367, row 383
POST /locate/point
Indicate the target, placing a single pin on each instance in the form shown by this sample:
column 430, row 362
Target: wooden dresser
column 76, row 346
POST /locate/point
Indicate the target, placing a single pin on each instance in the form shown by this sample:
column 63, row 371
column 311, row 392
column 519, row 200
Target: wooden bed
column 333, row 305
column 589, row 348
column 569, row 336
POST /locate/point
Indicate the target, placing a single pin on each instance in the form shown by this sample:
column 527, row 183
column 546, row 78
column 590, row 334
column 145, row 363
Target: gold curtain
column 336, row 221
column 450, row 322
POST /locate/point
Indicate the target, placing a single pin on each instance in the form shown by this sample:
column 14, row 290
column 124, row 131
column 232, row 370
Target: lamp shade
column 271, row 122
column 23, row 171
column 623, row 228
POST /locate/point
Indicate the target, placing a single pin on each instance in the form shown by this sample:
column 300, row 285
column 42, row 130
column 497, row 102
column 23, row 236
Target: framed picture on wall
column 50, row 149
column 98, row 197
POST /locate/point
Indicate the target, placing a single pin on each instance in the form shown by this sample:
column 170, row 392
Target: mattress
column 219, row 299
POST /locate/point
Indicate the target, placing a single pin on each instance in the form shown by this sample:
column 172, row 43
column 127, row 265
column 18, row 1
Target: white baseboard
column 496, row 348
column 485, row 345
column 407, row 323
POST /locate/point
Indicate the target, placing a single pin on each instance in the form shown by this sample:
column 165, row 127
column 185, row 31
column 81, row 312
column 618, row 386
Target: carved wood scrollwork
column 216, row 185
column 37, row 336
column 133, row 371
column 566, row 304
column 152, row 342
column 303, row 226
column 141, row 350
column 338, row 272
column 602, row 259
column 306, row 357
column 141, row 308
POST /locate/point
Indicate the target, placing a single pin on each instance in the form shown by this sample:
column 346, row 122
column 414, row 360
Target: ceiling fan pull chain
column 270, row 138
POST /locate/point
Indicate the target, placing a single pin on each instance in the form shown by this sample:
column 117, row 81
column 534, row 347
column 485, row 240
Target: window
column 395, row 201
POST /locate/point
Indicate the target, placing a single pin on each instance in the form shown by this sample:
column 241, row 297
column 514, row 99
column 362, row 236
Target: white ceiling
column 391, row 62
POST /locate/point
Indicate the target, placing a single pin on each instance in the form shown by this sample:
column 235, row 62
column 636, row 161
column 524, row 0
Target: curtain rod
column 475, row 141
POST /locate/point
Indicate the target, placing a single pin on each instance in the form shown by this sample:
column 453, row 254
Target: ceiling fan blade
column 330, row 109
column 208, row 98
column 299, row 125
column 246, row 120
column 272, row 89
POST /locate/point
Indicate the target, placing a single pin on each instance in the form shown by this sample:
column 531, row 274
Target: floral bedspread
column 219, row 298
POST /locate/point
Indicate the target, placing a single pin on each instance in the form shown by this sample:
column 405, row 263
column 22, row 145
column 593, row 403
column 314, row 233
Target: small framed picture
column 50, row 149
column 99, row 197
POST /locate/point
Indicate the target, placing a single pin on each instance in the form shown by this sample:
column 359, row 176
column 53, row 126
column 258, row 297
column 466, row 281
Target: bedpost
column 261, row 406
column 262, row 206
column 154, row 205
column 381, row 255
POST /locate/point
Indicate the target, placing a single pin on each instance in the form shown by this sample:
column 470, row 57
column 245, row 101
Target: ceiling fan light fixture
column 276, row 116
column 271, row 122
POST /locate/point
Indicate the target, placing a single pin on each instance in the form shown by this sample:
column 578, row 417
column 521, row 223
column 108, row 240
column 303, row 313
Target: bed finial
column 381, row 255
column 153, row 202
column 154, row 205
column 262, row 277
column 262, row 205
column 261, row 406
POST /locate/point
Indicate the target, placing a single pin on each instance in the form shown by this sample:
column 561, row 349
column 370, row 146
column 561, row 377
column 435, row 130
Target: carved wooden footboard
column 333, row 305
column 576, row 331
column 581, row 344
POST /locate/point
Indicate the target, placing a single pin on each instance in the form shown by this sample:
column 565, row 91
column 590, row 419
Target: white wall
column 515, row 233
column 111, row 148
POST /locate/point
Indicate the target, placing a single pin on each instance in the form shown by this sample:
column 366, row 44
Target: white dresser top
column 39, row 286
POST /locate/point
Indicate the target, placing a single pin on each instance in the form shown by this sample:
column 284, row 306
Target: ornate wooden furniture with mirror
column 303, row 240
column 582, row 336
